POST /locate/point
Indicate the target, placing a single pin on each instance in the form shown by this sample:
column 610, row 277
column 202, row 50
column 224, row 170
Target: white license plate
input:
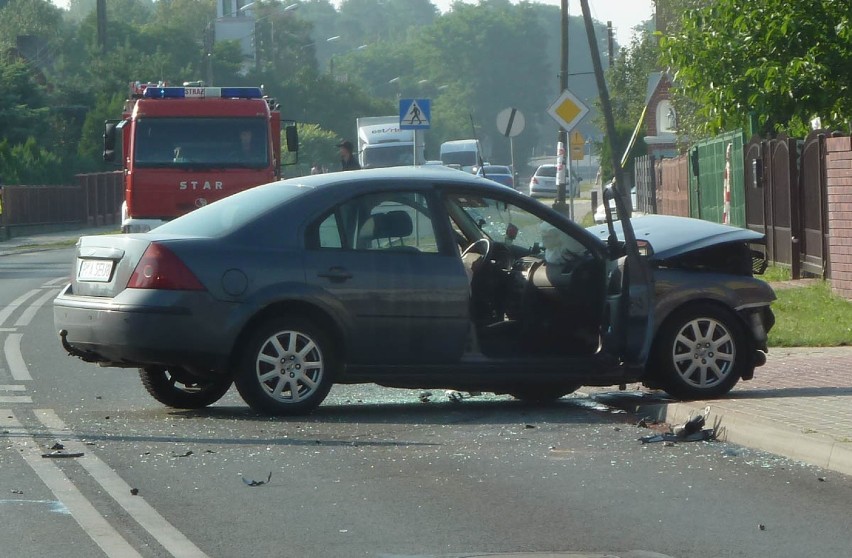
column 95, row 270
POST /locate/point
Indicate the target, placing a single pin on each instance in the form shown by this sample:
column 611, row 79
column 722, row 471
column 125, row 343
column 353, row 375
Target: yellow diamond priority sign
column 568, row 110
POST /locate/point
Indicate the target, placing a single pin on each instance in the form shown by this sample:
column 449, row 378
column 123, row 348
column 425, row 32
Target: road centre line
column 8, row 329
column 7, row 311
column 27, row 316
column 166, row 534
column 84, row 513
column 17, row 366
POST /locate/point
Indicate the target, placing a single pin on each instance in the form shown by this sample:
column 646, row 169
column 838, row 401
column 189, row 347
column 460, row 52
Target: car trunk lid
column 104, row 264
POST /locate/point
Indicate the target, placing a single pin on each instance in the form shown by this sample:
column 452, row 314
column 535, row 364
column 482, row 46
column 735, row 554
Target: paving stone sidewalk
column 798, row 405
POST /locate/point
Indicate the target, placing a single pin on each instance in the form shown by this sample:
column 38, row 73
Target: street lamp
column 283, row 10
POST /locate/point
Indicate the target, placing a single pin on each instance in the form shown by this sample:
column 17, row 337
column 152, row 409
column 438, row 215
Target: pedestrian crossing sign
column 415, row 114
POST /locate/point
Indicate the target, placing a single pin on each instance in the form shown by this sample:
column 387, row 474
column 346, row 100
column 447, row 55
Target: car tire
column 701, row 352
column 287, row 367
column 542, row 394
column 175, row 387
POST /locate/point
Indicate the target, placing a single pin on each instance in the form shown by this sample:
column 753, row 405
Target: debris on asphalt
column 250, row 482
column 17, row 491
column 691, row 431
column 186, row 454
column 425, row 396
column 57, row 446
column 821, row 479
column 616, row 428
column 59, row 454
column 529, row 426
column 134, row 492
column 458, row 396
column 761, row 526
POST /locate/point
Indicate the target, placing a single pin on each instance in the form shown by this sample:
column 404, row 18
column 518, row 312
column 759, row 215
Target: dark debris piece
column 250, row 482
column 60, row 454
column 134, row 492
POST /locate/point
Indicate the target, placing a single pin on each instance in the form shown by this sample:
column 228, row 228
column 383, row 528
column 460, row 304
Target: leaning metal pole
column 606, row 106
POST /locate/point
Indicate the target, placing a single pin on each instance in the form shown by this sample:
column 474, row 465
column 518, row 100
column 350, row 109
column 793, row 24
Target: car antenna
column 478, row 150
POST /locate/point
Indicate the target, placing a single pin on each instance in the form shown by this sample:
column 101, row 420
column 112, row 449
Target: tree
column 316, row 146
column 785, row 62
column 23, row 109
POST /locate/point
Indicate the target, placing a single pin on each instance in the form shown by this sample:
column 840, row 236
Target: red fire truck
column 185, row 147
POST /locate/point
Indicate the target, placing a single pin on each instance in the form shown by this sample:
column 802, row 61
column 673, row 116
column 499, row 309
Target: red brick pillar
column 839, row 198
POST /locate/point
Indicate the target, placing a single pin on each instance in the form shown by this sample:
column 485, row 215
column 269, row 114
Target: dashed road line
column 12, row 399
column 166, row 534
column 7, row 311
column 12, row 387
column 17, row 366
column 27, row 316
column 82, row 510
column 8, row 329
column 54, row 282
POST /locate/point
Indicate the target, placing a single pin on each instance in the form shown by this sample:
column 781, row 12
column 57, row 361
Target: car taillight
column 159, row 268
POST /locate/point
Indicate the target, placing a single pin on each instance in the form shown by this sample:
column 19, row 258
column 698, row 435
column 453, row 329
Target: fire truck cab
column 185, row 147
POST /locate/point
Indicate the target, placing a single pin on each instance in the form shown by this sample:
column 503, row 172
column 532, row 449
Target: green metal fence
column 707, row 185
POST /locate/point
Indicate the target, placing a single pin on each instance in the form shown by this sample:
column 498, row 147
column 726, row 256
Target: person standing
column 347, row 157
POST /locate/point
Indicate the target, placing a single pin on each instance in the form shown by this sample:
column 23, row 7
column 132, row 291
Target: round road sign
column 510, row 122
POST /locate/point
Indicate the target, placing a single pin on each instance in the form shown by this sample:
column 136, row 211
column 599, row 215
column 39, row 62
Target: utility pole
column 562, row 138
column 606, row 106
column 102, row 24
column 610, row 43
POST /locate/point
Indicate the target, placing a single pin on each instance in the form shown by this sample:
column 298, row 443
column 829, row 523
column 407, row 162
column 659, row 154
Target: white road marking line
column 175, row 542
column 27, row 316
column 10, row 399
column 17, row 366
column 8, row 329
column 12, row 387
column 92, row 522
column 54, row 282
column 6, row 312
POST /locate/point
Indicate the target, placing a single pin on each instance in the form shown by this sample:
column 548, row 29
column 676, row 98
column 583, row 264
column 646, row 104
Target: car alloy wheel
column 703, row 353
column 289, row 366
column 286, row 368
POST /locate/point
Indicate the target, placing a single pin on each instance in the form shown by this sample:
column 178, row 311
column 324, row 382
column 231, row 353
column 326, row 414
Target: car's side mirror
column 110, row 131
column 291, row 138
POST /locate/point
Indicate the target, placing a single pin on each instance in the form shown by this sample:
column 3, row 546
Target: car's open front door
column 631, row 303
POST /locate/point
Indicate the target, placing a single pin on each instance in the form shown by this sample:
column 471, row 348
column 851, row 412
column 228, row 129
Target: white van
column 464, row 153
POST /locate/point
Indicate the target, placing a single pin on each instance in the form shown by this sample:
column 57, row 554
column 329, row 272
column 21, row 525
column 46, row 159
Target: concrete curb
column 748, row 430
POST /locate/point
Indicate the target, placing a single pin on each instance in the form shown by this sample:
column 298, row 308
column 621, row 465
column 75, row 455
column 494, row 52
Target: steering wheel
column 484, row 241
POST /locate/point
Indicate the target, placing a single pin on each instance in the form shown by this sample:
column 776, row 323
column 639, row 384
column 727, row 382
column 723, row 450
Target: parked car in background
column 416, row 278
column 497, row 173
column 543, row 183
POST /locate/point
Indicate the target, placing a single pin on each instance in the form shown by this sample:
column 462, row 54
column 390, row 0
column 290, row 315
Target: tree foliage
column 786, row 62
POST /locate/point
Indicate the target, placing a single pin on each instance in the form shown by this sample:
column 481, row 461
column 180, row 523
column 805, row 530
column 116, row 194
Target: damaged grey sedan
column 417, row 278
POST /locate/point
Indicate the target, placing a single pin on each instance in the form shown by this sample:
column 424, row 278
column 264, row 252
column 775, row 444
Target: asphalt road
column 374, row 472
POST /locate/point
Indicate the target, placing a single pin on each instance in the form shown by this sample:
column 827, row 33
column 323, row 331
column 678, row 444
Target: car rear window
column 493, row 169
column 227, row 215
column 549, row 171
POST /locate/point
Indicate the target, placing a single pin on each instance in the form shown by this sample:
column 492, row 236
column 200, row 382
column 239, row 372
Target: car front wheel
column 286, row 368
column 175, row 387
column 701, row 352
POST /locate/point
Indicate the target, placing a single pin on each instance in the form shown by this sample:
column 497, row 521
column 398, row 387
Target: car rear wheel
column 542, row 394
column 175, row 387
column 286, row 368
column 701, row 352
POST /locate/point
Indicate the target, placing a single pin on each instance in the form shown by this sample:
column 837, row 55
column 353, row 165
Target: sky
column 624, row 14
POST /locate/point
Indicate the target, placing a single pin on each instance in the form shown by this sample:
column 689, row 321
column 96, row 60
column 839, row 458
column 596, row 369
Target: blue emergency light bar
column 202, row 92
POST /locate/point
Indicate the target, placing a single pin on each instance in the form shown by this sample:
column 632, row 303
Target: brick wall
column 839, row 175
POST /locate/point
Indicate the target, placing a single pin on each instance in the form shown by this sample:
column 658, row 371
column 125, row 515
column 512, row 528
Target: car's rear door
column 391, row 267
